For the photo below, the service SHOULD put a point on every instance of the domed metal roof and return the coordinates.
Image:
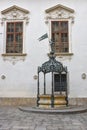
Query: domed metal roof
(52, 65)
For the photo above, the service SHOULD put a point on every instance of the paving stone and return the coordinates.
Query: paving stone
(12, 118)
(52, 128)
(40, 128)
(20, 128)
(4, 128)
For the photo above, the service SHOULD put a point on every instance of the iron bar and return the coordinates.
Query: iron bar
(38, 91)
(60, 84)
(44, 84)
(52, 96)
(66, 91)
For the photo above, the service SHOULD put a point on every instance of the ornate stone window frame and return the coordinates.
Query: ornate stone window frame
(60, 13)
(14, 14)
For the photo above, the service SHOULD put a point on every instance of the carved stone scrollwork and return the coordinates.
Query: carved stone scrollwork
(59, 13)
(15, 13)
(14, 59)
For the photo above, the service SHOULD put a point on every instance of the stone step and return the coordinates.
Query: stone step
(60, 110)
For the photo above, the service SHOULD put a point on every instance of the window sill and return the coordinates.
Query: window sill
(62, 54)
(14, 54)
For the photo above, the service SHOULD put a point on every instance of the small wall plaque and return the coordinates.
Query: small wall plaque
(83, 76)
(3, 77)
(35, 77)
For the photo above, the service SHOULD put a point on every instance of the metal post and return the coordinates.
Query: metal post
(60, 84)
(38, 85)
(66, 91)
(38, 91)
(44, 84)
(52, 96)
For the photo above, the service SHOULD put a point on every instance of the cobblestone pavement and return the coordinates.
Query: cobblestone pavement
(13, 119)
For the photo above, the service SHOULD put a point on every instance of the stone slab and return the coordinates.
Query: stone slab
(40, 128)
(60, 110)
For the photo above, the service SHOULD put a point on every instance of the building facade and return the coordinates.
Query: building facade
(21, 24)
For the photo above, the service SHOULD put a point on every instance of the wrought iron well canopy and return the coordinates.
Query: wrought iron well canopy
(52, 65)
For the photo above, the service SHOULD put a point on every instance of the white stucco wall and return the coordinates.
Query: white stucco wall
(19, 81)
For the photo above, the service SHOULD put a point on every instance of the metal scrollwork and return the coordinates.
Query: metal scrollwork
(52, 65)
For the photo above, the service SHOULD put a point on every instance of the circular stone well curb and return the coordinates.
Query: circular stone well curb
(60, 110)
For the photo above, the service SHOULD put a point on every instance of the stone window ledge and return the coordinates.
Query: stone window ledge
(62, 54)
(14, 54)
